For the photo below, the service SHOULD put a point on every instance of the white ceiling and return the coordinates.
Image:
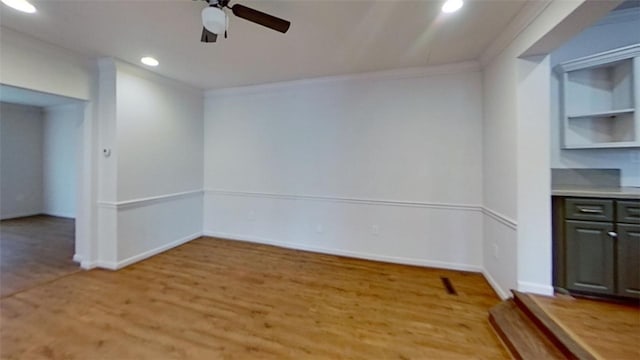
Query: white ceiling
(327, 37)
(16, 95)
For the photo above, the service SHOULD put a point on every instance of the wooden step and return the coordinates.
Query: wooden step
(530, 333)
(520, 335)
(569, 346)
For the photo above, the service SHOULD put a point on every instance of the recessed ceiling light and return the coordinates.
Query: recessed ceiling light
(452, 6)
(149, 61)
(20, 5)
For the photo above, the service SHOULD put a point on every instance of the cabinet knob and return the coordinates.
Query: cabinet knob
(613, 234)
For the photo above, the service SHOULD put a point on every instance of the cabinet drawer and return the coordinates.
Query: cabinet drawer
(628, 212)
(588, 209)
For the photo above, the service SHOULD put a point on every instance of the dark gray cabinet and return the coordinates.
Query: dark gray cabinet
(589, 209)
(590, 256)
(597, 246)
(628, 260)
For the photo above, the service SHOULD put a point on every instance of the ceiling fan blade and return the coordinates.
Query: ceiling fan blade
(261, 18)
(208, 36)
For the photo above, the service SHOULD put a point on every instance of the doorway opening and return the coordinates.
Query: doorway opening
(39, 180)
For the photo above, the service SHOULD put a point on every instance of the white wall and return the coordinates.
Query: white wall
(517, 243)
(384, 166)
(21, 136)
(499, 139)
(618, 30)
(159, 135)
(534, 187)
(61, 127)
(151, 191)
(33, 64)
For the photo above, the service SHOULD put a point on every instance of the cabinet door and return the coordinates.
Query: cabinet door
(629, 260)
(590, 256)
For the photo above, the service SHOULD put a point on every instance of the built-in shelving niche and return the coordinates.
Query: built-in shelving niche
(599, 100)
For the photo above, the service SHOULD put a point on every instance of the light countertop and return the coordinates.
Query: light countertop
(596, 192)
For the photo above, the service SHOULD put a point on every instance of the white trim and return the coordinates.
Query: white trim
(395, 74)
(77, 258)
(347, 253)
(28, 214)
(494, 284)
(62, 215)
(606, 57)
(21, 215)
(522, 20)
(500, 218)
(535, 288)
(335, 199)
(111, 265)
(148, 74)
(140, 202)
(88, 265)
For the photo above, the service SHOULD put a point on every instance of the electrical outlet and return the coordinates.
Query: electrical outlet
(319, 229)
(375, 230)
(495, 251)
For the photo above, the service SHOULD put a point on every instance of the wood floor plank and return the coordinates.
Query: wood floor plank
(562, 339)
(520, 334)
(221, 299)
(35, 250)
(608, 330)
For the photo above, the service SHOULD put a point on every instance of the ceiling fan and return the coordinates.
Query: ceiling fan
(215, 20)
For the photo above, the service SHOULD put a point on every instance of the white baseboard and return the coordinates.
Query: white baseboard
(494, 284)
(540, 289)
(77, 258)
(88, 265)
(109, 265)
(147, 254)
(60, 215)
(19, 215)
(113, 265)
(348, 253)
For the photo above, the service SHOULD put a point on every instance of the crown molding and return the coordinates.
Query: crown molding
(109, 66)
(522, 20)
(606, 57)
(395, 74)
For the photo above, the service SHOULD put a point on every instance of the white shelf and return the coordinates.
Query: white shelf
(603, 145)
(601, 114)
(599, 96)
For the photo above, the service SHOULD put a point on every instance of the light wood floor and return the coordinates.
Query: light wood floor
(612, 331)
(220, 299)
(35, 250)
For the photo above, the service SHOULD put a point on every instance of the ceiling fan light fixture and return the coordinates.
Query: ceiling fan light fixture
(214, 20)
(452, 6)
(20, 5)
